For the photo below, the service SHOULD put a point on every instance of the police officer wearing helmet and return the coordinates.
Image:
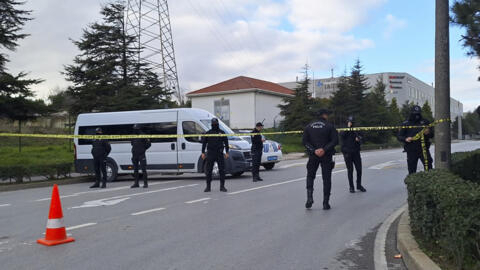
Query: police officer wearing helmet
(351, 141)
(215, 146)
(100, 150)
(414, 147)
(257, 150)
(139, 147)
(320, 138)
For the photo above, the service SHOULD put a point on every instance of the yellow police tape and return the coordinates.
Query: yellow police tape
(419, 136)
(163, 136)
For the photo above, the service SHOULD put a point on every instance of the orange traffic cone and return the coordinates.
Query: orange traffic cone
(56, 233)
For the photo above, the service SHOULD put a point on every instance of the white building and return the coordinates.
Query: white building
(242, 101)
(402, 86)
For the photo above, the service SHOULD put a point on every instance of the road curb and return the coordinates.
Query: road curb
(413, 257)
(48, 183)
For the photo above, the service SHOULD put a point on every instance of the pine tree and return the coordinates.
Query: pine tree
(427, 112)
(15, 92)
(466, 14)
(107, 75)
(376, 113)
(358, 86)
(394, 113)
(340, 100)
(298, 110)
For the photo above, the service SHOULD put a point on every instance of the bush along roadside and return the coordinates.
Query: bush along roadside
(445, 217)
(27, 171)
(467, 165)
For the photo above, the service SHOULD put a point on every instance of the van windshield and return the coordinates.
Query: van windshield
(227, 130)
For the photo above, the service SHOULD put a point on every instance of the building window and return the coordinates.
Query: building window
(221, 109)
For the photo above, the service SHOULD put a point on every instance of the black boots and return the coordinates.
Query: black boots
(96, 185)
(326, 205)
(222, 187)
(257, 179)
(361, 188)
(145, 184)
(135, 184)
(104, 184)
(309, 202)
(352, 189)
(207, 189)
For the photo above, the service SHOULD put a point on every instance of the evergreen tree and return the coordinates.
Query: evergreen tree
(466, 13)
(394, 113)
(427, 112)
(298, 110)
(376, 113)
(107, 75)
(358, 86)
(340, 100)
(14, 89)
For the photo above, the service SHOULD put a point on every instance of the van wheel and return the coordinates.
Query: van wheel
(112, 171)
(237, 174)
(268, 166)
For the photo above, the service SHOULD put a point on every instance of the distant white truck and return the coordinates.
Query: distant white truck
(166, 155)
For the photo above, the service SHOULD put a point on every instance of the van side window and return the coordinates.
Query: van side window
(190, 127)
(166, 128)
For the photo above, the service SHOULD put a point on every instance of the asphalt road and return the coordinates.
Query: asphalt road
(175, 225)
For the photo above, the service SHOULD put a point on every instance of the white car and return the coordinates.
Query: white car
(272, 152)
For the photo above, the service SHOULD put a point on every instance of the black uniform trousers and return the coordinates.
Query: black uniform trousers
(211, 159)
(353, 159)
(327, 166)
(256, 162)
(412, 160)
(100, 166)
(139, 162)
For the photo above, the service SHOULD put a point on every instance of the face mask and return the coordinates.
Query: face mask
(215, 126)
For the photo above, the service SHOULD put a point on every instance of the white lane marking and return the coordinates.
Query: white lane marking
(3, 205)
(80, 226)
(379, 248)
(127, 196)
(275, 184)
(292, 165)
(199, 200)
(383, 165)
(102, 190)
(102, 202)
(147, 211)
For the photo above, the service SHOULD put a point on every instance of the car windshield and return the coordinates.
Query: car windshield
(227, 130)
(248, 139)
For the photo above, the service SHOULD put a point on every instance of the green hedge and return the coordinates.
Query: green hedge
(467, 165)
(26, 171)
(445, 215)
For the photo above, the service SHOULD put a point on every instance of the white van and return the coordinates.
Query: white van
(166, 155)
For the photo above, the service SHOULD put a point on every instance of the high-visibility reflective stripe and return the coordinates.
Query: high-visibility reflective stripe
(55, 223)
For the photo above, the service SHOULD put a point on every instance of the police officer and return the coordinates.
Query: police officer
(139, 147)
(414, 147)
(320, 138)
(351, 141)
(257, 150)
(215, 147)
(100, 150)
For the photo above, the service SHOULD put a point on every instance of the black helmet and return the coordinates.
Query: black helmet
(259, 124)
(416, 109)
(137, 127)
(351, 119)
(98, 130)
(323, 111)
(214, 121)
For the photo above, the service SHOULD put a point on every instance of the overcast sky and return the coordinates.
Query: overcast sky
(216, 40)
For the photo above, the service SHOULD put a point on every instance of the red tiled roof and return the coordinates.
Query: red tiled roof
(242, 83)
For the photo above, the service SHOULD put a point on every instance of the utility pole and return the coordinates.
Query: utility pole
(442, 85)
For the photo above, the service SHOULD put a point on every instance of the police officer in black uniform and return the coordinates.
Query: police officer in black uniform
(100, 150)
(414, 147)
(257, 150)
(351, 141)
(139, 147)
(215, 147)
(320, 138)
